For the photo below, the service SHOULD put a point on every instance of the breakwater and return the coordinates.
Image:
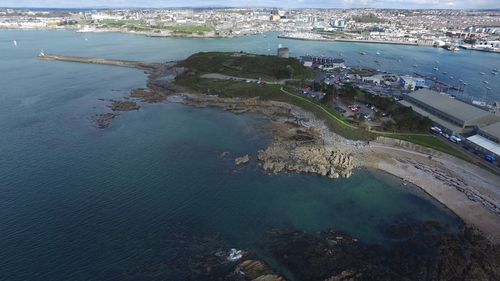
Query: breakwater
(90, 60)
(352, 40)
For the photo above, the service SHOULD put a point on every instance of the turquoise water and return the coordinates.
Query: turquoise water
(79, 203)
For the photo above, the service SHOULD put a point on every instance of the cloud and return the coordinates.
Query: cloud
(466, 4)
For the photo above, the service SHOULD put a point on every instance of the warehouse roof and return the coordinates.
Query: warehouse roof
(493, 130)
(452, 127)
(444, 103)
(485, 143)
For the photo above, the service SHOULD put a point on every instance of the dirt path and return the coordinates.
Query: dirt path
(228, 77)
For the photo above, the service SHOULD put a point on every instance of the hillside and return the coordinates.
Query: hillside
(269, 68)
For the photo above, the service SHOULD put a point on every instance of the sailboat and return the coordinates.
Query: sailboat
(15, 43)
(41, 54)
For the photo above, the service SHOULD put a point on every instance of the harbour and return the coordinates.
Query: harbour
(158, 192)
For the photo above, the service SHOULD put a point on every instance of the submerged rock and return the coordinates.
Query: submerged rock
(424, 253)
(124, 106)
(104, 120)
(242, 160)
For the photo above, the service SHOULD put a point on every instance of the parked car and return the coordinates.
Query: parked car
(436, 130)
(490, 158)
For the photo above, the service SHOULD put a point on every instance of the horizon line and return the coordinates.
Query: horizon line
(247, 7)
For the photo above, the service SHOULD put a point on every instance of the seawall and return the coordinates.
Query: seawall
(90, 60)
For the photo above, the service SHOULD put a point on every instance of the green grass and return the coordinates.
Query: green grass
(188, 29)
(231, 88)
(137, 25)
(119, 23)
(270, 68)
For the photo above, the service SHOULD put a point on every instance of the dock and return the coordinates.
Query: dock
(148, 66)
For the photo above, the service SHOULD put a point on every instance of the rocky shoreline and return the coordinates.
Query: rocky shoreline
(294, 148)
(303, 144)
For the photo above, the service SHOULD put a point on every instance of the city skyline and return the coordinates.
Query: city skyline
(396, 4)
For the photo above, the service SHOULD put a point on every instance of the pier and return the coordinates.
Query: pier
(148, 66)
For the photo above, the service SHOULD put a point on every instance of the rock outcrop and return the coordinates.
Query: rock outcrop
(297, 147)
(257, 270)
(307, 159)
(242, 160)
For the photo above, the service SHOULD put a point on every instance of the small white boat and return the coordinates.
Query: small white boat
(378, 53)
(482, 73)
(14, 43)
(41, 54)
(488, 88)
(486, 82)
(436, 69)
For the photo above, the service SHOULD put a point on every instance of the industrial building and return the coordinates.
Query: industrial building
(320, 60)
(491, 132)
(450, 114)
(487, 140)
(484, 145)
(411, 83)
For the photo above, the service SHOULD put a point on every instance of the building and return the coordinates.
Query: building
(491, 132)
(372, 79)
(283, 52)
(411, 83)
(452, 115)
(338, 23)
(318, 60)
(484, 145)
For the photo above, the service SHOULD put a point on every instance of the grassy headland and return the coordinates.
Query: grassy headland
(268, 68)
(271, 69)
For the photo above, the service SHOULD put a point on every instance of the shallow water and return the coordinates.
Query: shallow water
(79, 203)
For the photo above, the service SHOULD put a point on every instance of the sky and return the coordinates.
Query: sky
(427, 4)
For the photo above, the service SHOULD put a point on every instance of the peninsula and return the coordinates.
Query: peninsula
(309, 137)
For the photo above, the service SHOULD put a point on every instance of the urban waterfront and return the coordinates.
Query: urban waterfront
(87, 204)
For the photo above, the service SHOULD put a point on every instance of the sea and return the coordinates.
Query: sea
(131, 201)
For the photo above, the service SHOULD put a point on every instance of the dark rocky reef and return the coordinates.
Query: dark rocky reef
(421, 252)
